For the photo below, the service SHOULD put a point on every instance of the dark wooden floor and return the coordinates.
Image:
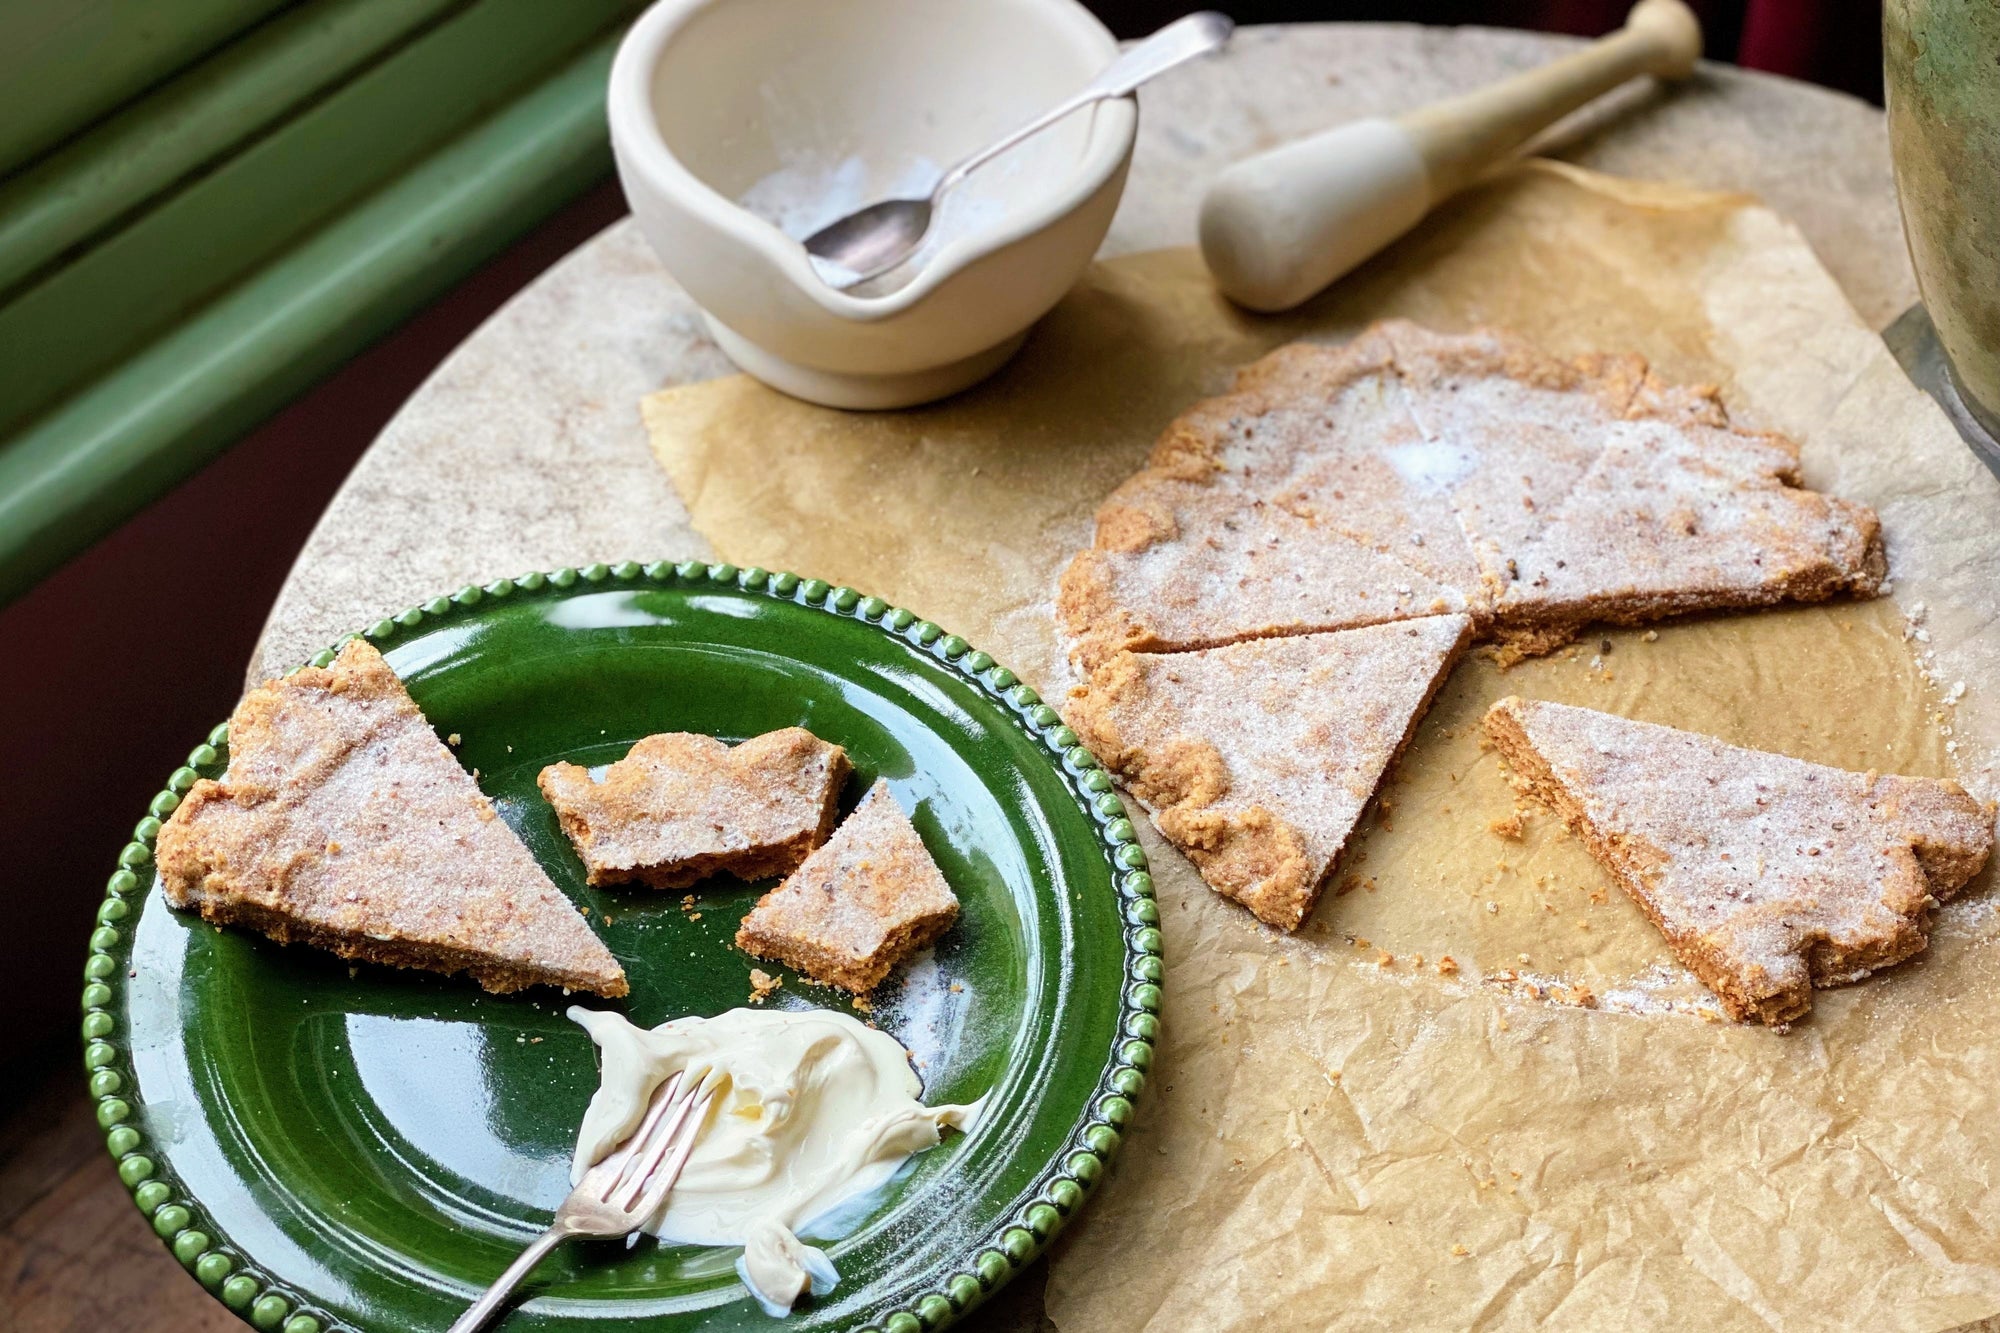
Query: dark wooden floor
(75, 1255)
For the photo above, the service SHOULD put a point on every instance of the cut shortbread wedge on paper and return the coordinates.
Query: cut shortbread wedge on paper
(861, 904)
(1413, 473)
(1506, 430)
(1180, 565)
(1257, 759)
(1680, 516)
(680, 807)
(344, 822)
(1271, 510)
(1768, 875)
(1326, 434)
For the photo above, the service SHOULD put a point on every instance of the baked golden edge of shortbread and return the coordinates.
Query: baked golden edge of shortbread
(768, 861)
(184, 890)
(1626, 858)
(805, 955)
(1291, 908)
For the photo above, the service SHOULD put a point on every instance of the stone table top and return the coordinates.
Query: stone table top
(525, 450)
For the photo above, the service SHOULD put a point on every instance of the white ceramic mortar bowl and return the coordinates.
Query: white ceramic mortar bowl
(708, 97)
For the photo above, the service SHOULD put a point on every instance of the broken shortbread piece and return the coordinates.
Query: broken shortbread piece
(863, 903)
(344, 822)
(1257, 759)
(681, 807)
(1768, 875)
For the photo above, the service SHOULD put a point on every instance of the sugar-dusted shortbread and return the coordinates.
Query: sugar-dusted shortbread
(863, 903)
(1275, 509)
(680, 807)
(1768, 875)
(1406, 475)
(343, 822)
(1411, 473)
(1180, 565)
(1257, 759)
(1683, 515)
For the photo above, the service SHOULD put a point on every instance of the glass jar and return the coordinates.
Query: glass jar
(1942, 87)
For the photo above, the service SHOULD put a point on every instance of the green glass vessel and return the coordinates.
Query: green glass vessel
(1942, 82)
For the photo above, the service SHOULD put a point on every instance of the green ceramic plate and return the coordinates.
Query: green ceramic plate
(327, 1147)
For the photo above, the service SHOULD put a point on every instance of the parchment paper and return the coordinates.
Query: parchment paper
(1554, 1127)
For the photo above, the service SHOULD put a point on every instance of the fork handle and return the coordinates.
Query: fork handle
(487, 1306)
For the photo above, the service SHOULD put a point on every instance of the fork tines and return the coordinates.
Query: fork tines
(635, 1177)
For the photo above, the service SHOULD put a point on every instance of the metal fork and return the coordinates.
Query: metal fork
(621, 1193)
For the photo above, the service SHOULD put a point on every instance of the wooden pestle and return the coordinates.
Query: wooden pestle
(1278, 227)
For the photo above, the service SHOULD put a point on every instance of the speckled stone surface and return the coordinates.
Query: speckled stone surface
(525, 450)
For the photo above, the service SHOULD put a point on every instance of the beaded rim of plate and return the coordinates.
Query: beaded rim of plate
(1007, 1246)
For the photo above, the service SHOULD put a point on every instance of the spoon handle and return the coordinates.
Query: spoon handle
(1178, 42)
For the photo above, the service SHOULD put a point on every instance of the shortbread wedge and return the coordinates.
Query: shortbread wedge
(1412, 473)
(1768, 875)
(343, 822)
(859, 906)
(1181, 565)
(1679, 516)
(680, 807)
(1257, 759)
(1507, 430)
(1326, 434)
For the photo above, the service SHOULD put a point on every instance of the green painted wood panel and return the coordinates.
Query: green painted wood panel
(64, 63)
(110, 301)
(78, 471)
(161, 140)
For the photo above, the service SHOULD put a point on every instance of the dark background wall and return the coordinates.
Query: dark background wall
(1834, 42)
(120, 662)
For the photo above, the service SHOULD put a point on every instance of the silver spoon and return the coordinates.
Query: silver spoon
(869, 243)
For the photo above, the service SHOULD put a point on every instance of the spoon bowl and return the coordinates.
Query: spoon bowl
(870, 242)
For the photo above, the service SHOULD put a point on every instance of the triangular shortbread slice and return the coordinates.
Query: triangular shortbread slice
(861, 904)
(1326, 433)
(1678, 516)
(344, 822)
(1382, 499)
(1506, 430)
(1256, 760)
(1768, 875)
(1182, 565)
(680, 807)
(1291, 404)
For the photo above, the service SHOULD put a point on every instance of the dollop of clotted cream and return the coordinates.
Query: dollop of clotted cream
(812, 1109)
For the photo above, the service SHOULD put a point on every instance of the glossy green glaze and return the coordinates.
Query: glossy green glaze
(362, 1148)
